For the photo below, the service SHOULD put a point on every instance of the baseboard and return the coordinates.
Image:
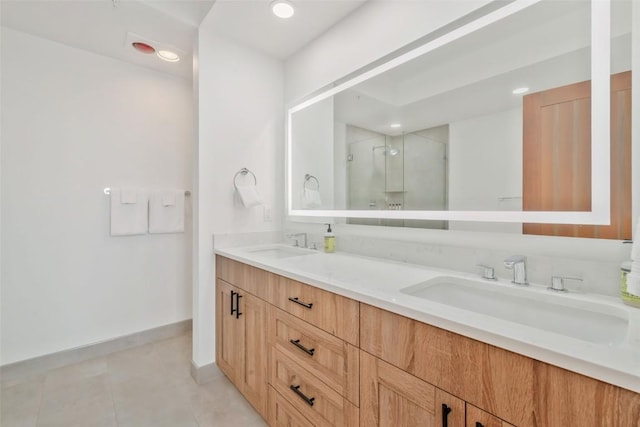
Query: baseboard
(204, 374)
(41, 364)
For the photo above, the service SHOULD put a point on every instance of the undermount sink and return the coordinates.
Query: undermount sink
(281, 251)
(583, 320)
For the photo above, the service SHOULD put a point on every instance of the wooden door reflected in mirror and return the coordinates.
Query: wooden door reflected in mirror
(557, 150)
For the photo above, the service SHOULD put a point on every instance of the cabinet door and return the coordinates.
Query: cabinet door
(228, 337)
(252, 380)
(392, 397)
(476, 417)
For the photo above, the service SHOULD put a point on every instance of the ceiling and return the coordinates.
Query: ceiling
(101, 26)
(251, 23)
(105, 26)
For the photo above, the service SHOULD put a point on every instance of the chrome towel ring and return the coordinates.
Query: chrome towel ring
(244, 172)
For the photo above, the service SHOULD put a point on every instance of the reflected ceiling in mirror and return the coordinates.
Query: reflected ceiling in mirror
(455, 93)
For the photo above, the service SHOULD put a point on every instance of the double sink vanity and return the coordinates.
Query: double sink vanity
(337, 339)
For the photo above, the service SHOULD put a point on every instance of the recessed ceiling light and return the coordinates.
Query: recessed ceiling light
(520, 90)
(395, 125)
(168, 56)
(143, 47)
(282, 9)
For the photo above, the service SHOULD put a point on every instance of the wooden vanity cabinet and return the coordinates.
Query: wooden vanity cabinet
(303, 356)
(514, 388)
(291, 350)
(241, 344)
(392, 397)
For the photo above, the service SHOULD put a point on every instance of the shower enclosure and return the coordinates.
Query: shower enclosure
(402, 172)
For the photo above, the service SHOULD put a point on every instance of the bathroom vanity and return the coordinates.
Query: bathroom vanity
(343, 340)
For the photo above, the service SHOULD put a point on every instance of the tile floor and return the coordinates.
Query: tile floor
(149, 385)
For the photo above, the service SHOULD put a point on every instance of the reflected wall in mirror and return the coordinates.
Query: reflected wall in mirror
(445, 131)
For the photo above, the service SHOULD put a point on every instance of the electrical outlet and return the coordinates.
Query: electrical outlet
(267, 213)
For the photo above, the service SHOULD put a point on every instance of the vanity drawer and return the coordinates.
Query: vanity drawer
(312, 398)
(282, 413)
(251, 279)
(330, 359)
(333, 313)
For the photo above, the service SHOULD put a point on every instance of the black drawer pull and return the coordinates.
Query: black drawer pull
(309, 351)
(479, 424)
(297, 301)
(233, 310)
(296, 390)
(445, 415)
(238, 296)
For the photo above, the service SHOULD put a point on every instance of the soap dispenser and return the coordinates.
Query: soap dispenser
(329, 240)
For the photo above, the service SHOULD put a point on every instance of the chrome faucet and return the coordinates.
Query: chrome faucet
(295, 237)
(517, 263)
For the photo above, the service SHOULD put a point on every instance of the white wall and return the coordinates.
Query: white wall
(485, 163)
(241, 124)
(73, 123)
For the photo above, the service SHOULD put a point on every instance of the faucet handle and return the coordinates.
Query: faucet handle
(487, 272)
(557, 283)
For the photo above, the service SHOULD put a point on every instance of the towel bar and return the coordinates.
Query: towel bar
(107, 191)
(244, 172)
(307, 178)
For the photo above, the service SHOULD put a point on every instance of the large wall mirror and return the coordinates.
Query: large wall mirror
(504, 118)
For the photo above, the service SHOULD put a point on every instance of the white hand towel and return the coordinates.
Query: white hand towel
(166, 211)
(128, 196)
(249, 195)
(129, 209)
(311, 198)
(169, 198)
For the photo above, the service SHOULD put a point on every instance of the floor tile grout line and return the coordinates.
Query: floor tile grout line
(113, 401)
(40, 400)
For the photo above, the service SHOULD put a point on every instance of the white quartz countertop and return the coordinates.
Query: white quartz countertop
(378, 282)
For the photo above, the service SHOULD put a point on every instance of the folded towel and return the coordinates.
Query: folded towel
(249, 195)
(169, 197)
(166, 211)
(129, 209)
(128, 196)
(311, 198)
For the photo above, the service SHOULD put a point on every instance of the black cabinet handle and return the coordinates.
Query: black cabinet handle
(479, 424)
(233, 310)
(296, 390)
(309, 351)
(238, 296)
(297, 301)
(445, 415)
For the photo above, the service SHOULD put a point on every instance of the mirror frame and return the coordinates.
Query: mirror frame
(600, 128)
